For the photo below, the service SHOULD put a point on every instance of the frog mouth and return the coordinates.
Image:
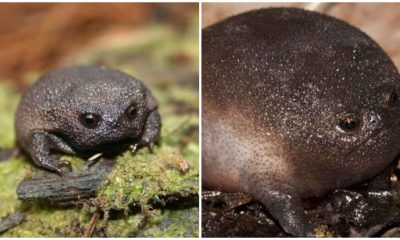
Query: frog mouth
(378, 134)
(108, 148)
(113, 146)
(371, 156)
(365, 141)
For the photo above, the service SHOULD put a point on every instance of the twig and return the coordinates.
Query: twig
(11, 221)
(7, 154)
(178, 127)
(92, 224)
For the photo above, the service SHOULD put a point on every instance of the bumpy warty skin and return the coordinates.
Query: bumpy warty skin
(277, 85)
(49, 117)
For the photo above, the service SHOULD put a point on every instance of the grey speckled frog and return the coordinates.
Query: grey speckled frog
(295, 104)
(83, 111)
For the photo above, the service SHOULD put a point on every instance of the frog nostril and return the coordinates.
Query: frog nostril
(110, 121)
(375, 120)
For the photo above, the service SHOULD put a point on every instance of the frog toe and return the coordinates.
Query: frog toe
(66, 164)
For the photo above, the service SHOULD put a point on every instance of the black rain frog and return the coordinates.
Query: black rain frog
(82, 111)
(295, 104)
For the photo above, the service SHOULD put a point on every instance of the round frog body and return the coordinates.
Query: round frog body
(82, 111)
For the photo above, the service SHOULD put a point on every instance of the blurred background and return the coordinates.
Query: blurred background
(41, 36)
(380, 21)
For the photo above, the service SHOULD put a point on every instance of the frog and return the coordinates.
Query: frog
(295, 104)
(85, 111)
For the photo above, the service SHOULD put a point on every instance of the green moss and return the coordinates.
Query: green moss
(144, 177)
(11, 173)
(171, 223)
(8, 103)
(45, 221)
(126, 226)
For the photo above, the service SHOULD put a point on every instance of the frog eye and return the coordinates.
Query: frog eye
(90, 120)
(131, 112)
(392, 99)
(349, 123)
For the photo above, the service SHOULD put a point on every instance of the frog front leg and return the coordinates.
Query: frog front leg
(151, 132)
(284, 204)
(46, 150)
(152, 128)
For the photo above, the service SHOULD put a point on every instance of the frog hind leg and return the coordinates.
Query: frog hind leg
(151, 132)
(284, 204)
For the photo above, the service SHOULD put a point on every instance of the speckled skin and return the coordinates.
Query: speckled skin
(49, 116)
(277, 84)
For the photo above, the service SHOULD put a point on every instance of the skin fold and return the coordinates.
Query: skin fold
(295, 104)
(83, 111)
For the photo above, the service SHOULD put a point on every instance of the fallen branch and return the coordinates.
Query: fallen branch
(67, 189)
